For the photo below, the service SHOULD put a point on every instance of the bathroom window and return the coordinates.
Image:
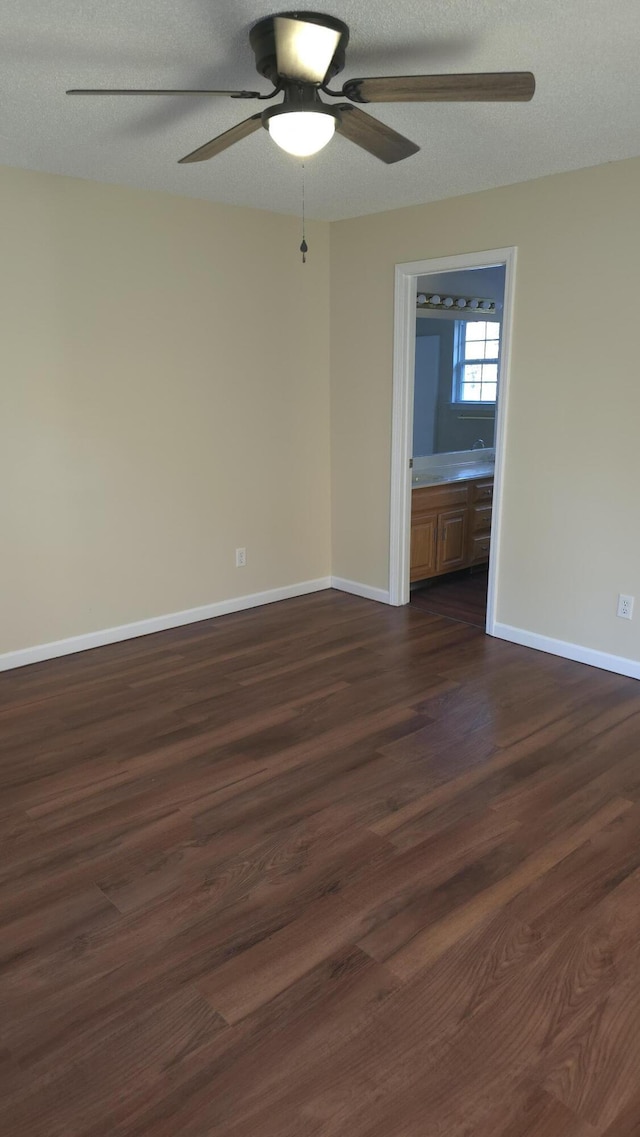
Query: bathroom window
(477, 358)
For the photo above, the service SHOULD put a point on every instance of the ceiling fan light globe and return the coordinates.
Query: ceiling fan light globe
(302, 133)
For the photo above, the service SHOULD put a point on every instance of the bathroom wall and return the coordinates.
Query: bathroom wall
(456, 427)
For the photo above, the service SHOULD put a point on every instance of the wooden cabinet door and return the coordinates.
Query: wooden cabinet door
(423, 547)
(452, 540)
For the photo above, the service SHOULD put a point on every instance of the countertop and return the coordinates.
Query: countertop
(438, 475)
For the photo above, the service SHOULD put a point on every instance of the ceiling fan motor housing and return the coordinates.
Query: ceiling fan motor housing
(263, 42)
(292, 104)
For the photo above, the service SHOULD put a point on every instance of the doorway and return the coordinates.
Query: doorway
(458, 427)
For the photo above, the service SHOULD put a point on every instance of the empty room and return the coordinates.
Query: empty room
(319, 551)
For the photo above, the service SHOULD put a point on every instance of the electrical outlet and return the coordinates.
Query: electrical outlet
(625, 607)
(241, 558)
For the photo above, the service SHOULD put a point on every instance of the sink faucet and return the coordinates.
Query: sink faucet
(478, 444)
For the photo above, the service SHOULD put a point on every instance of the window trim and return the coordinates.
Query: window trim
(459, 363)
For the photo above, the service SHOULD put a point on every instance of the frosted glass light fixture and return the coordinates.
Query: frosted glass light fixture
(301, 132)
(462, 304)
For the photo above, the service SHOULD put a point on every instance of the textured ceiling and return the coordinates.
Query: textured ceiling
(586, 110)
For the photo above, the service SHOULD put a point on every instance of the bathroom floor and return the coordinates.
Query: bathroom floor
(459, 595)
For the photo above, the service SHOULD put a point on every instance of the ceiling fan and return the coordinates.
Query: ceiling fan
(300, 53)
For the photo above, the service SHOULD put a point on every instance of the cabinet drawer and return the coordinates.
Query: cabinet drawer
(483, 491)
(481, 519)
(480, 548)
(428, 499)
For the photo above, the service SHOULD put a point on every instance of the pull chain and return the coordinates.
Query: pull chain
(304, 248)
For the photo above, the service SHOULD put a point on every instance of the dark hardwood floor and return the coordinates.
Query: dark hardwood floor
(321, 869)
(458, 595)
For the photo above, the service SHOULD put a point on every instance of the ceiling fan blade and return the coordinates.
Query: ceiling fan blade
(304, 50)
(217, 145)
(107, 91)
(373, 135)
(497, 86)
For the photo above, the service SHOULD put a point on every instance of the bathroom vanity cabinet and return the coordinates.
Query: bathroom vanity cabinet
(450, 526)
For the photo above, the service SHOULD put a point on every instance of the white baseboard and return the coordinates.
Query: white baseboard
(40, 652)
(617, 663)
(358, 589)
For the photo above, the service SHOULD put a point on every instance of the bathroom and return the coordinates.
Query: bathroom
(456, 390)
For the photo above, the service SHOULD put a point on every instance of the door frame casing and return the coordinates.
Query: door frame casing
(406, 277)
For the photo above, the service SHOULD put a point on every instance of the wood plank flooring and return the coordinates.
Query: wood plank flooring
(325, 868)
(458, 595)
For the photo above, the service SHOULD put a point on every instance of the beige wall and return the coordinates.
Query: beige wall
(571, 518)
(164, 399)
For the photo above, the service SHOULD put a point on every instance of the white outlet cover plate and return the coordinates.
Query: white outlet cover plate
(625, 607)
